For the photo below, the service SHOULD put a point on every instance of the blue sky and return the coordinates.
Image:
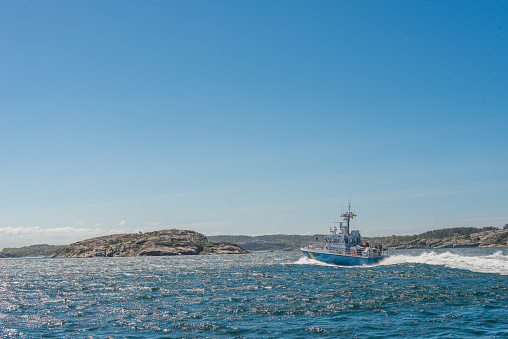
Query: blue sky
(251, 117)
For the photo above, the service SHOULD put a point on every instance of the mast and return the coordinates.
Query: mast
(348, 216)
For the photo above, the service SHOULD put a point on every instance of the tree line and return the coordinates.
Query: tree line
(450, 232)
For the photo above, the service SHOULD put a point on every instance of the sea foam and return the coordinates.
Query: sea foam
(494, 263)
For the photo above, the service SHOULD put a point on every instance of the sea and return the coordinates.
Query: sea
(438, 293)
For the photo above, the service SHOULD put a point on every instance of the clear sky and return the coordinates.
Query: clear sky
(251, 117)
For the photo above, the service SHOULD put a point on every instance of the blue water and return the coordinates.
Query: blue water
(430, 294)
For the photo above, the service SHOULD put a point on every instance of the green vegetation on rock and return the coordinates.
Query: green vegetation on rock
(449, 237)
(454, 232)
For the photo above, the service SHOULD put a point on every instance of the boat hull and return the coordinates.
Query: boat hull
(342, 260)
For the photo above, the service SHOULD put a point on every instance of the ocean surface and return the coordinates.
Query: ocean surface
(446, 293)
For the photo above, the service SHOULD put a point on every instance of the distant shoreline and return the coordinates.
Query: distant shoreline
(445, 238)
(459, 237)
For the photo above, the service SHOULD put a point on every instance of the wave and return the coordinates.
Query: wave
(494, 263)
(308, 261)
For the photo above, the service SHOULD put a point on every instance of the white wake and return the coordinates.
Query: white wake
(494, 263)
(307, 261)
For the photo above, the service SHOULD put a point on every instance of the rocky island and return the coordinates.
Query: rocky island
(156, 243)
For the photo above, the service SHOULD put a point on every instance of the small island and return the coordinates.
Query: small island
(156, 243)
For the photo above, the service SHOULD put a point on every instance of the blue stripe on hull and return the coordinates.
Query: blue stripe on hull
(343, 260)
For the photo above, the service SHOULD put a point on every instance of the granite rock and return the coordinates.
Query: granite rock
(157, 243)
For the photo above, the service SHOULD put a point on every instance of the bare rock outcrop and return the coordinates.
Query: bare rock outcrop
(157, 243)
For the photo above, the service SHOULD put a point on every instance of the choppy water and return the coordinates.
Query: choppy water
(432, 294)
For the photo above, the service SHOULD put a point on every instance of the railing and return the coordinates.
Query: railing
(366, 252)
(315, 245)
(353, 251)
